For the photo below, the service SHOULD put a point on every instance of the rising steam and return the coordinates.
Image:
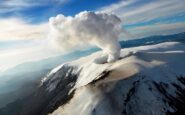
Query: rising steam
(98, 29)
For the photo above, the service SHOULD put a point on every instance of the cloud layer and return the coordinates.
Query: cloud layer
(134, 11)
(8, 6)
(17, 29)
(98, 29)
(153, 17)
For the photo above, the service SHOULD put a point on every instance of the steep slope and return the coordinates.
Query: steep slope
(147, 80)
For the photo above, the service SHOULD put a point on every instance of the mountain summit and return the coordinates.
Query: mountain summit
(146, 80)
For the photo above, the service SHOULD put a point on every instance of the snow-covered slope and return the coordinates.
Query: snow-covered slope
(146, 80)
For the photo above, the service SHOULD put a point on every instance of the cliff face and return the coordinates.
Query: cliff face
(147, 80)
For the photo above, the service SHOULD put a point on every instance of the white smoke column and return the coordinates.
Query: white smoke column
(98, 29)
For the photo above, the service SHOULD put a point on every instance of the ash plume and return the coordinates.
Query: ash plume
(94, 28)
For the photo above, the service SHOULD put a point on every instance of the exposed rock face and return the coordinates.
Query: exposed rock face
(148, 81)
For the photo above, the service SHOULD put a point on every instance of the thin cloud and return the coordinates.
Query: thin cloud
(26, 53)
(18, 5)
(134, 13)
(130, 12)
(17, 29)
(156, 29)
(15, 5)
(113, 8)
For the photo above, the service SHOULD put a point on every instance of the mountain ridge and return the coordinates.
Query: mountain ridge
(145, 80)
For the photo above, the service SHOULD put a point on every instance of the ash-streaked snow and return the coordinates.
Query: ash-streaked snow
(127, 86)
(146, 80)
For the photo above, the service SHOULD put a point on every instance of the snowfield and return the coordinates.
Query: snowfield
(142, 60)
(147, 80)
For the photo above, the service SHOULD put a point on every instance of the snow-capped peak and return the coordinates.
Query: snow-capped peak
(138, 83)
(133, 61)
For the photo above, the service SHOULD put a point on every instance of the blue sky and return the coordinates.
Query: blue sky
(158, 14)
(23, 23)
(40, 10)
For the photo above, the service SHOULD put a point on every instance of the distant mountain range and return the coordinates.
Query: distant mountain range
(180, 37)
